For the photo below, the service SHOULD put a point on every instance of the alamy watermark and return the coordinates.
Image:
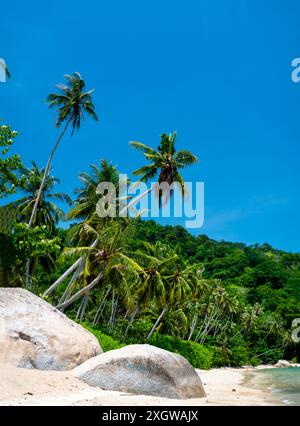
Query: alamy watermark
(296, 70)
(138, 200)
(296, 330)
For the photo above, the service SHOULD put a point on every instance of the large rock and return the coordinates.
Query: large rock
(285, 364)
(33, 334)
(142, 369)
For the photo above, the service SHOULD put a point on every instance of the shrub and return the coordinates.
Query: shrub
(266, 354)
(140, 329)
(239, 356)
(107, 343)
(196, 354)
(221, 357)
(255, 362)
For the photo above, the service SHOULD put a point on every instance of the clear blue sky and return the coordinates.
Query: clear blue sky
(218, 72)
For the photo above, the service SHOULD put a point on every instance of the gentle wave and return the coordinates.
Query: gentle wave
(284, 383)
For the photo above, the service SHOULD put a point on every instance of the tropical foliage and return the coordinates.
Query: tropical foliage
(72, 103)
(165, 161)
(9, 166)
(48, 214)
(133, 281)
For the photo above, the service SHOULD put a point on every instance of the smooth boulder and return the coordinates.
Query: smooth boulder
(286, 364)
(144, 370)
(33, 334)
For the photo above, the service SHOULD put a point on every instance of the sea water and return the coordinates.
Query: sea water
(284, 383)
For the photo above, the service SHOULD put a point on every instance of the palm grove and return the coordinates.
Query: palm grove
(130, 281)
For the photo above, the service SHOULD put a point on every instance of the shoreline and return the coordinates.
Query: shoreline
(224, 387)
(236, 387)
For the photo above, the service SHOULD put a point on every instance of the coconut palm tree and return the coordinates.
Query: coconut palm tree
(168, 281)
(48, 212)
(85, 207)
(107, 263)
(216, 306)
(73, 103)
(166, 161)
(87, 197)
(250, 317)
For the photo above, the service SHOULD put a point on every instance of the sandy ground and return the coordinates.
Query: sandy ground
(32, 387)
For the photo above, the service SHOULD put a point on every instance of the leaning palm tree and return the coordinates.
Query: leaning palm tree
(87, 198)
(72, 102)
(84, 207)
(106, 263)
(166, 162)
(48, 212)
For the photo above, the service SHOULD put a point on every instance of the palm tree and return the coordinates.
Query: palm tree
(167, 282)
(250, 316)
(166, 161)
(216, 306)
(85, 207)
(72, 103)
(87, 197)
(48, 212)
(107, 263)
(178, 287)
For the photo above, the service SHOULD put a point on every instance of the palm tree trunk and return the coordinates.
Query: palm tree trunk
(114, 313)
(99, 312)
(28, 280)
(38, 198)
(193, 326)
(85, 303)
(27, 273)
(202, 327)
(47, 169)
(205, 332)
(80, 308)
(157, 322)
(67, 273)
(112, 309)
(269, 351)
(81, 292)
(131, 320)
(209, 329)
(70, 285)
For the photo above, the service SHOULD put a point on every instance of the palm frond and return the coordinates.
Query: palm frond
(142, 147)
(185, 158)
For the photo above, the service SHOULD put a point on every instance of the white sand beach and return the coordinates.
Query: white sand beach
(226, 386)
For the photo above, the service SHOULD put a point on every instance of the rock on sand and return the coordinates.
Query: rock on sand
(142, 369)
(33, 334)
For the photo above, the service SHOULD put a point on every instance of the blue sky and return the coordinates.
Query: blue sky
(218, 72)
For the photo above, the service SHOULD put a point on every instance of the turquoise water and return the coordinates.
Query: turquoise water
(284, 384)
